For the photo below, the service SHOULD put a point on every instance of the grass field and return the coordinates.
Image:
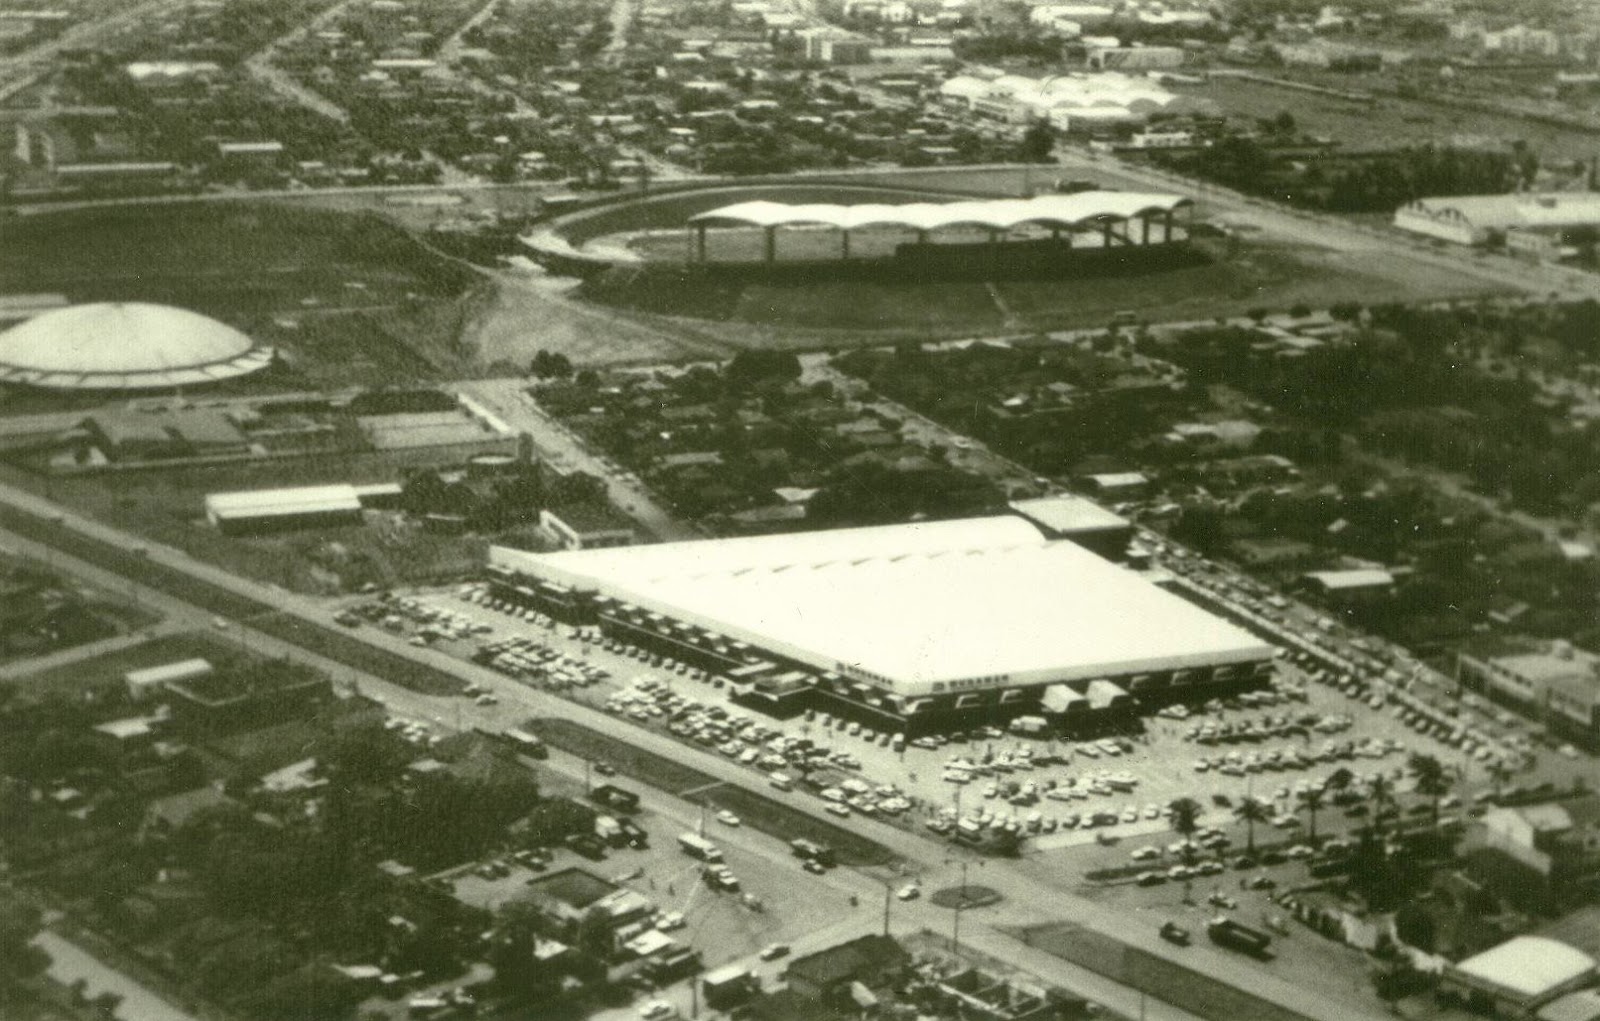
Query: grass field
(348, 298)
(167, 505)
(1196, 992)
(1255, 274)
(1390, 122)
(757, 811)
(107, 669)
(325, 641)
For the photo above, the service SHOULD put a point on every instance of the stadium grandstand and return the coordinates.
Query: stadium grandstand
(1108, 216)
(915, 627)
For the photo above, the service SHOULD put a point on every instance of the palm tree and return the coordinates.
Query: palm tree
(1250, 811)
(1381, 795)
(1185, 821)
(1339, 780)
(1311, 802)
(1432, 782)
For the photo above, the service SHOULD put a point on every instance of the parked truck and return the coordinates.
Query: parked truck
(1235, 935)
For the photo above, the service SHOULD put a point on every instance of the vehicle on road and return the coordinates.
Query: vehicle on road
(1235, 935)
(1172, 932)
(727, 818)
(657, 1010)
(773, 951)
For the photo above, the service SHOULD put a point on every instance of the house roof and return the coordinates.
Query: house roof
(1528, 967)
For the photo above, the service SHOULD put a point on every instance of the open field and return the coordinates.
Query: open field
(108, 668)
(167, 505)
(1255, 274)
(347, 298)
(1162, 979)
(325, 641)
(1390, 122)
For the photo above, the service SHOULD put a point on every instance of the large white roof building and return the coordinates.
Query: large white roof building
(125, 346)
(1061, 98)
(1523, 972)
(1477, 219)
(1075, 210)
(915, 611)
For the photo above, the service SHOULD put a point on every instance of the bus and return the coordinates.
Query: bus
(696, 846)
(810, 850)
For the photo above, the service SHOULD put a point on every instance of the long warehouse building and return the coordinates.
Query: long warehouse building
(920, 625)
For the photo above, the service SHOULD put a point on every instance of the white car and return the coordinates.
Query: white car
(727, 818)
(1145, 853)
(670, 920)
(657, 1010)
(911, 891)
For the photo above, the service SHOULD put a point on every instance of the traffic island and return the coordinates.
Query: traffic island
(965, 898)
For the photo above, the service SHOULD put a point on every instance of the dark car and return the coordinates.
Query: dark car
(1172, 932)
(588, 845)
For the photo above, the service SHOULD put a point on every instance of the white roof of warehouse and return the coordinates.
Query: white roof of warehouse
(1505, 212)
(1529, 966)
(255, 503)
(1068, 513)
(915, 605)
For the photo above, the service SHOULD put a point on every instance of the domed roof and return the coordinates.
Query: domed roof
(125, 346)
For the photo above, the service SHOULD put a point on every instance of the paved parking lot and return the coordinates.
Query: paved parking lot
(1314, 730)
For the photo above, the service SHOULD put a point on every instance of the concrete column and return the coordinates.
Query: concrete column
(1166, 227)
(922, 237)
(1144, 229)
(844, 243)
(1105, 233)
(700, 241)
(771, 243)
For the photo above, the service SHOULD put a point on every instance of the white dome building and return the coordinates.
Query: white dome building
(126, 346)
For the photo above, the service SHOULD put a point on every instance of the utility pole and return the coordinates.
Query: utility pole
(886, 907)
(961, 898)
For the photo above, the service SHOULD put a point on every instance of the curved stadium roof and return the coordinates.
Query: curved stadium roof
(1001, 214)
(125, 346)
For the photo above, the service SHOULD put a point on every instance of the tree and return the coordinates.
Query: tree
(1037, 143)
(1310, 803)
(1185, 820)
(752, 367)
(1380, 794)
(1432, 780)
(1251, 810)
(20, 960)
